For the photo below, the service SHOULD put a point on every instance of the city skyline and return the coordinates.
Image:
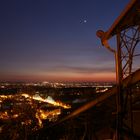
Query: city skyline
(56, 40)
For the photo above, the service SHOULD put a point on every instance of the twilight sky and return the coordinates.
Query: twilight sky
(55, 40)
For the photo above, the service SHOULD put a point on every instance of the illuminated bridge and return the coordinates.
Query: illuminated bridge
(115, 114)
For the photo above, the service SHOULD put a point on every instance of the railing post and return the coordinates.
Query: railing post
(119, 94)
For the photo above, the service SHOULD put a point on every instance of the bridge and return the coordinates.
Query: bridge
(115, 114)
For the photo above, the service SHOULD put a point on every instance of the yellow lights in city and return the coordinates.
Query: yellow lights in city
(15, 116)
(25, 95)
(47, 100)
(43, 115)
(27, 122)
(4, 115)
(39, 119)
(30, 110)
(5, 96)
(48, 114)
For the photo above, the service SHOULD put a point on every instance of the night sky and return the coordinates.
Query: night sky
(55, 40)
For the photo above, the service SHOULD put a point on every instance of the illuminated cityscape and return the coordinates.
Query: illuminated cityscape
(28, 106)
(70, 70)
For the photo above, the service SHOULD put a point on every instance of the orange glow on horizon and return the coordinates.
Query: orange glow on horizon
(69, 77)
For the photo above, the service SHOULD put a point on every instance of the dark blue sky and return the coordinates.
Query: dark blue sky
(55, 40)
